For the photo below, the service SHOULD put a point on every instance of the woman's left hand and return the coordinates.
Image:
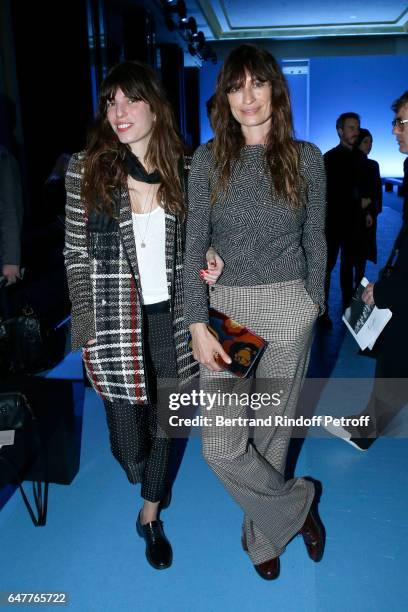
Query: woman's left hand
(215, 267)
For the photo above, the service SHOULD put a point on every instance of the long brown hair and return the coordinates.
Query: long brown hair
(104, 168)
(282, 151)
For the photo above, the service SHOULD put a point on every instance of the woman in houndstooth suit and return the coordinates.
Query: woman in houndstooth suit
(258, 196)
(124, 250)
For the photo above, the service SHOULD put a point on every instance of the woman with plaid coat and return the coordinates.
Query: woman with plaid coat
(124, 250)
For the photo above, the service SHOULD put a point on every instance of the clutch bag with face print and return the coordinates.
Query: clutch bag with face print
(243, 346)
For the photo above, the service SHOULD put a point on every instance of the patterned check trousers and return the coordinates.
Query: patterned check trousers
(251, 462)
(137, 440)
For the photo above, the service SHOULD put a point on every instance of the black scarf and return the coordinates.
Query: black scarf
(138, 172)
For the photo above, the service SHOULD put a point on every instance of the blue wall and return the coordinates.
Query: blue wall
(299, 93)
(366, 85)
(363, 84)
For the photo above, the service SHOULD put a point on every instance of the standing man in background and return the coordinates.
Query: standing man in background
(11, 217)
(345, 178)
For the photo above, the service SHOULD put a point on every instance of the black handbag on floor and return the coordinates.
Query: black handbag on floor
(17, 419)
(28, 343)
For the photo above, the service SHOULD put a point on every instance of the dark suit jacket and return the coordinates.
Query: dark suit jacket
(346, 185)
(11, 210)
(392, 293)
(372, 187)
(405, 191)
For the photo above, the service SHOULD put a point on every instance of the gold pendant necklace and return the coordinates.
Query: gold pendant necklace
(143, 238)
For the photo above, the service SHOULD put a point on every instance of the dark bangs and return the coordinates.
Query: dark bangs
(131, 78)
(246, 58)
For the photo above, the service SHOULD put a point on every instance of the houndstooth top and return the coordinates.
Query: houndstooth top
(261, 239)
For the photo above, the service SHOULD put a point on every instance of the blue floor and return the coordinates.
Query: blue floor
(90, 549)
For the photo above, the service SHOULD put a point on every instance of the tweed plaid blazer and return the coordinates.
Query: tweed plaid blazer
(104, 284)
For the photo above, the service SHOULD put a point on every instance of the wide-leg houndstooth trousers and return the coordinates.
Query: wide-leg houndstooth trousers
(252, 470)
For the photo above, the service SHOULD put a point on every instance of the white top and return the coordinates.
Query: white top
(151, 258)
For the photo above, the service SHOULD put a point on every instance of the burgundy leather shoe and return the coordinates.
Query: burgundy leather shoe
(268, 570)
(313, 535)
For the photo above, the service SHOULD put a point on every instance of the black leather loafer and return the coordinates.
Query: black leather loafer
(158, 549)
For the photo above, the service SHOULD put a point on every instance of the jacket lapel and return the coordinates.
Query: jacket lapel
(170, 253)
(127, 234)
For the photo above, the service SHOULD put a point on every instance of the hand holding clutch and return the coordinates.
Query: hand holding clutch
(206, 348)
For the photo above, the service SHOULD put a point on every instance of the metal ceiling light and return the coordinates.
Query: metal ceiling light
(188, 24)
(178, 7)
(199, 40)
(196, 43)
